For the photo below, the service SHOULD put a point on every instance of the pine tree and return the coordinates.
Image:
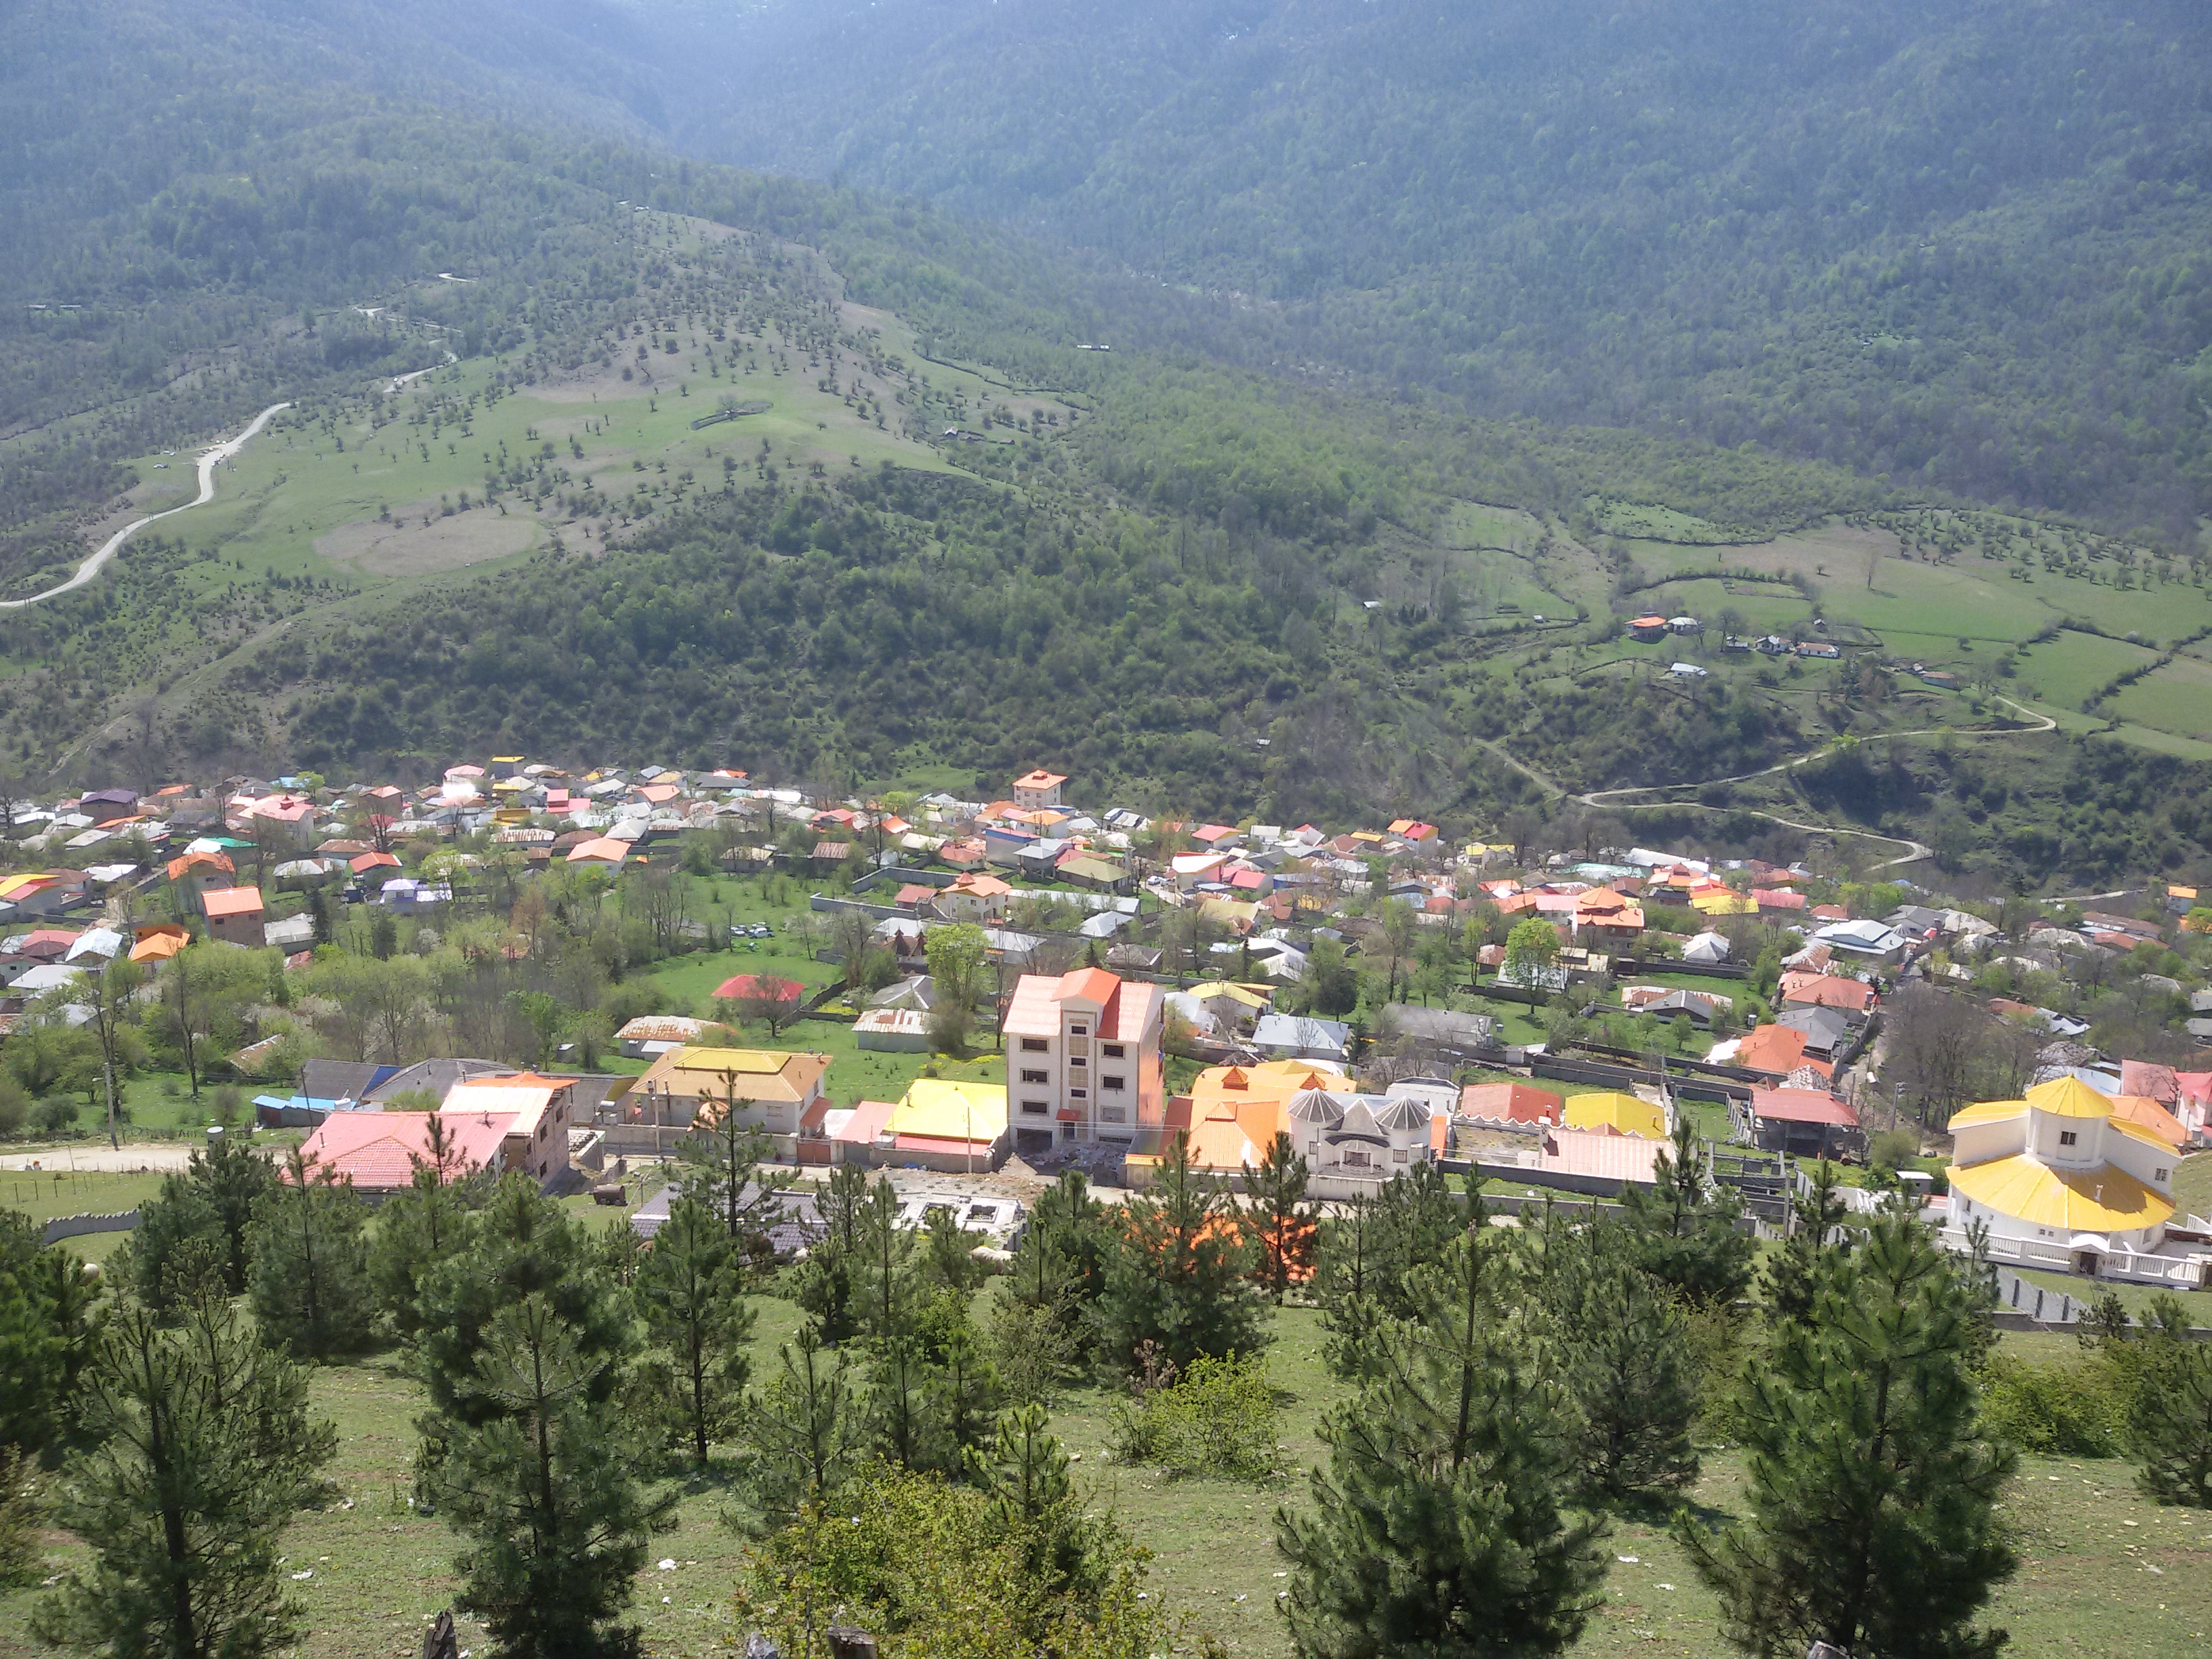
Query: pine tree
(201, 1451)
(2170, 1409)
(520, 1245)
(802, 1433)
(1623, 1358)
(202, 1217)
(1873, 1489)
(545, 1493)
(1178, 1275)
(720, 1163)
(1795, 1276)
(946, 1260)
(1438, 1525)
(1343, 1270)
(1416, 1215)
(311, 1289)
(1275, 1214)
(690, 1289)
(50, 1325)
(825, 1282)
(963, 1394)
(1686, 1227)
(419, 1226)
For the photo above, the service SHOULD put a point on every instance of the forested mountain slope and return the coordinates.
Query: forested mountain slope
(1241, 570)
(1958, 243)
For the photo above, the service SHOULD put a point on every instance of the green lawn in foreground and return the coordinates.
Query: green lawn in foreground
(382, 1571)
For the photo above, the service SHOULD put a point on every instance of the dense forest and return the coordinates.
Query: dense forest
(1959, 244)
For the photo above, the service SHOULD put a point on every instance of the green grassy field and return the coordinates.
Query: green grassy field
(2073, 666)
(2084, 1588)
(2175, 699)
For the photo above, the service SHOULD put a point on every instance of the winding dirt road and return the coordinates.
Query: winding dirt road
(1914, 850)
(213, 459)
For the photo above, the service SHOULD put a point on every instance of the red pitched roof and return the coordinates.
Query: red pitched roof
(1511, 1103)
(749, 987)
(371, 1149)
(1802, 1106)
(1827, 991)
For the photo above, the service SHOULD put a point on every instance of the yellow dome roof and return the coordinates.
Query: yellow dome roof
(2101, 1200)
(2069, 1097)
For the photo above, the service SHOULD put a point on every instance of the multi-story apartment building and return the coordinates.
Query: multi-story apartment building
(1083, 1058)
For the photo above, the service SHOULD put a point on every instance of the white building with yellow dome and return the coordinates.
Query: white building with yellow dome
(2059, 1182)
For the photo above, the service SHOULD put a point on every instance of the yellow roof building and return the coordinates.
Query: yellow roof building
(947, 1109)
(2065, 1167)
(1630, 1114)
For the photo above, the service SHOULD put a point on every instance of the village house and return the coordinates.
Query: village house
(1083, 1057)
(689, 1086)
(234, 915)
(1038, 790)
(378, 1152)
(1800, 1122)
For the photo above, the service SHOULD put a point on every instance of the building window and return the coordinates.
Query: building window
(1079, 1094)
(1111, 1114)
(1034, 1108)
(1079, 1030)
(1115, 1051)
(1355, 1160)
(2066, 1137)
(1113, 1082)
(1398, 1155)
(1076, 1062)
(1029, 1075)
(2158, 1174)
(1035, 1046)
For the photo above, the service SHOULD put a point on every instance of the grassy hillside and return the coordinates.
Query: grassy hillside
(374, 1569)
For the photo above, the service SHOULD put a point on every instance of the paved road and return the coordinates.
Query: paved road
(214, 457)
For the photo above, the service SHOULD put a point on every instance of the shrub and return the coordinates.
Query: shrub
(1217, 1417)
(2059, 1410)
(56, 1114)
(1892, 1148)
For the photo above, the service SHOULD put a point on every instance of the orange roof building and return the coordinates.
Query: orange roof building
(1084, 1061)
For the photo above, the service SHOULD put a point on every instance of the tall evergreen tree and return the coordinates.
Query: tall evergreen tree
(721, 1165)
(1344, 1274)
(1416, 1215)
(521, 1244)
(963, 1395)
(1686, 1227)
(1871, 1521)
(1178, 1278)
(802, 1434)
(50, 1324)
(2170, 1409)
(201, 1448)
(311, 1289)
(691, 1290)
(1439, 1524)
(1275, 1214)
(826, 1281)
(420, 1225)
(1795, 1276)
(1624, 1357)
(202, 1217)
(546, 1493)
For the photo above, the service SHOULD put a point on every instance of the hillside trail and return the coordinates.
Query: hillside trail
(1914, 850)
(213, 459)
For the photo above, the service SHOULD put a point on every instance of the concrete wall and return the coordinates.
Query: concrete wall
(76, 1226)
